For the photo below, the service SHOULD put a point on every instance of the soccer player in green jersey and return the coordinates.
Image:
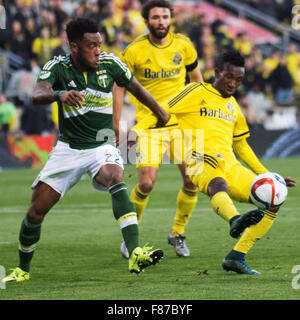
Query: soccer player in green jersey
(82, 83)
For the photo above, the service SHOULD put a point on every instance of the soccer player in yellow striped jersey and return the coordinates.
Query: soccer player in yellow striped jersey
(212, 164)
(160, 61)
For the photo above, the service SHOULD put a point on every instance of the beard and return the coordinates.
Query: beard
(158, 34)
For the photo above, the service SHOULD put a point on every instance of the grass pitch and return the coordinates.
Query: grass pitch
(78, 256)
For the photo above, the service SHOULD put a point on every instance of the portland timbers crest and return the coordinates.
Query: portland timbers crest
(103, 80)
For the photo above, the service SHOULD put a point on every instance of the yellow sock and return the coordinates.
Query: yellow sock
(254, 233)
(140, 200)
(223, 205)
(186, 202)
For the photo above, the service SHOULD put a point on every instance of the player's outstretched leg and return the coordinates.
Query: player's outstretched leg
(43, 199)
(144, 257)
(235, 261)
(240, 222)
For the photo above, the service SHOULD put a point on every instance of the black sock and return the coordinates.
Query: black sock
(29, 236)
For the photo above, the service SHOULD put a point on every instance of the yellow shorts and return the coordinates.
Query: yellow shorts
(238, 177)
(157, 146)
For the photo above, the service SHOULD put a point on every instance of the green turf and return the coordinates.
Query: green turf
(78, 256)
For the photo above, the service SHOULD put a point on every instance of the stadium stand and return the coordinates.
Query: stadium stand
(35, 31)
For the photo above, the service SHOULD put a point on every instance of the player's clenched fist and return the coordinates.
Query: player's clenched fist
(72, 98)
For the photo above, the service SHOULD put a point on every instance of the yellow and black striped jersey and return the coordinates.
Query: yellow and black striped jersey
(160, 69)
(199, 106)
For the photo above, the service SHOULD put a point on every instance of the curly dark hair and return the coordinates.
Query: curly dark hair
(77, 28)
(233, 57)
(156, 3)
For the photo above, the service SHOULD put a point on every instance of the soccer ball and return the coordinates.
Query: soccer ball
(268, 191)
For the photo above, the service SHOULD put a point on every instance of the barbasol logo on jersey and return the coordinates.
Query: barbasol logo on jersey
(205, 112)
(162, 74)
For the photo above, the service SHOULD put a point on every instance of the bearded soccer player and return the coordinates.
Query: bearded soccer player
(212, 164)
(82, 83)
(160, 61)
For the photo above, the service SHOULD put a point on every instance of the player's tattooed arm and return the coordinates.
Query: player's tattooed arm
(147, 99)
(44, 94)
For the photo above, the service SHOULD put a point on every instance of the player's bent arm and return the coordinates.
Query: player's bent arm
(247, 155)
(118, 97)
(148, 122)
(195, 75)
(43, 93)
(147, 99)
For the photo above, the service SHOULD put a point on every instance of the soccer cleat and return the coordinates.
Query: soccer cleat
(239, 266)
(142, 258)
(239, 224)
(124, 250)
(17, 275)
(178, 242)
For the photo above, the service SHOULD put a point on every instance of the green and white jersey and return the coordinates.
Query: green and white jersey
(79, 126)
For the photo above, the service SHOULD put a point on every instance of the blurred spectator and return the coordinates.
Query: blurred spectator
(184, 26)
(37, 119)
(57, 7)
(49, 21)
(94, 12)
(119, 44)
(207, 70)
(223, 38)
(110, 29)
(206, 42)
(271, 63)
(282, 83)
(258, 101)
(129, 31)
(243, 44)
(34, 68)
(79, 11)
(218, 22)
(293, 57)
(250, 113)
(7, 115)
(252, 75)
(136, 18)
(63, 47)
(44, 45)
(23, 11)
(36, 12)
(31, 32)
(20, 85)
(293, 65)
(18, 43)
(195, 32)
(257, 56)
